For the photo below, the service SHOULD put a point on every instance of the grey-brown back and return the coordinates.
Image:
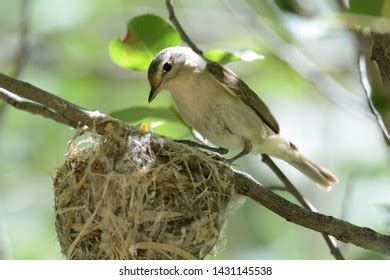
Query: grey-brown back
(229, 79)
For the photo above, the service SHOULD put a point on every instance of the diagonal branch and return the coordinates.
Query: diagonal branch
(244, 184)
(38, 101)
(34, 108)
(48, 100)
(179, 28)
(341, 230)
(330, 241)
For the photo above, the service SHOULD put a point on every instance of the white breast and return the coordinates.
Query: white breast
(215, 113)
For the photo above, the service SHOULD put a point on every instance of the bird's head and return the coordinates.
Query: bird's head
(169, 66)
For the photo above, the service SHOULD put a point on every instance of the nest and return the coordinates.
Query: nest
(140, 197)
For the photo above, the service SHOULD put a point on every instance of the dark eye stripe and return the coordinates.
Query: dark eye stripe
(167, 66)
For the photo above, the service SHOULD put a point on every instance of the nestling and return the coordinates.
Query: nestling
(213, 100)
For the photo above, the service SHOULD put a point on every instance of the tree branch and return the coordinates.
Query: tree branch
(38, 101)
(366, 84)
(277, 188)
(381, 55)
(34, 108)
(341, 230)
(244, 184)
(330, 241)
(179, 28)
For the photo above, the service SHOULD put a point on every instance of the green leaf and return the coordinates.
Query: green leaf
(165, 121)
(285, 5)
(175, 130)
(372, 7)
(146, 36)
(223, 56)
(136, 114)
(126, 56)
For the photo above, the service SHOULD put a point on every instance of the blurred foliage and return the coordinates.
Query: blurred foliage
(163, 120)
(149, 34)
(372, 7)
(135, 115)
(68, 56)
(223, 56)
(285, 5)
(381, 101)
(146, 36)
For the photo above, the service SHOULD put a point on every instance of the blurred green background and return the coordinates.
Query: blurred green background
(68, 55)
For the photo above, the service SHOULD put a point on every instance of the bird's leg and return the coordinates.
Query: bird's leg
(218, 150)
(247, 149)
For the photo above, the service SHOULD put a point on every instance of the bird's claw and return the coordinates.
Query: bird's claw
(221, 151)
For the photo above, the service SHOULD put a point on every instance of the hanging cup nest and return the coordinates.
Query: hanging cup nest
(140, 197)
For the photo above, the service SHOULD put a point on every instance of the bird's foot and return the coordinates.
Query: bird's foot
(218, 150)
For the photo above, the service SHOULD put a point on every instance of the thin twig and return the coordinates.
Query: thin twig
(372, 73)
(368, 93)
(331, 242)
(287, 183)
(3, 109)
(179, 28)
(191, 143)
(20, 58)
(348, 195)
(21, 54)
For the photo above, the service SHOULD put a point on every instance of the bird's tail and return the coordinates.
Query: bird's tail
(322, 177)
(279, 147)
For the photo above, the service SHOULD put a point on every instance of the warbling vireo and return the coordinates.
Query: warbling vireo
(213, 100)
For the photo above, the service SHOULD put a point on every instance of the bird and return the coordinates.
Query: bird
(215, 102)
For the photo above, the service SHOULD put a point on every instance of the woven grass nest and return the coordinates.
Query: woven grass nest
(136, 197)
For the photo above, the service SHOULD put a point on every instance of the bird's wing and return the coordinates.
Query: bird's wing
(237, 87)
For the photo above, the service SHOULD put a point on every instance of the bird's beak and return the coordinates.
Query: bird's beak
(153, 92)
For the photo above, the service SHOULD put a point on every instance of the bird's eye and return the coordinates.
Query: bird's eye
(167, 66)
